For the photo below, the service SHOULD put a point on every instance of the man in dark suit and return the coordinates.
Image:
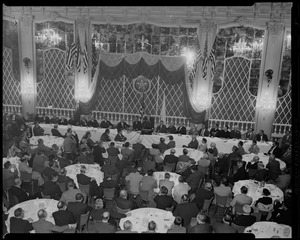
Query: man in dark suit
(223, 133)
(77, 208)
(203, 225)
(73, 121)
(287, 157)
(108, 169)
(51, 188)
(193, 144)
(123, 201)
(171, 158)
(63, 216)
(97, 152)
(84, 157)
(146, 124)
(120, 137)
(104, 226)
(93, 122)
(203, 194)
(161, 128)
(171, 129)
(82, 178)
(171, 143)
(194, 179)
(261, 136)
(122, 125)
(113, 153)
(235, 133)
(181, 129)
(106, 124)
(54, 119)
(44, 119)
(18, 224)
(17, 191)
(55, 132)
(83, 121)
(63, 121)
(245, 219)
(273, 167)
(107, 183)
(275, 150)
(38, 130)
(186, 210)
(137, 124)
(162, 146)
(241, 173)
(163, 200)
(214, 130)
(286, 140)
(203, 131)
(105, 136)
(138, 149)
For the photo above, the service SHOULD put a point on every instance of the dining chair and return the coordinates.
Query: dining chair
(240, 229)
(170, 167)
(62, 186)
(86, 190)
(220, 203)
(206, 205)
(83, 222)
(144, 195)
(238, 208)
(108, 197)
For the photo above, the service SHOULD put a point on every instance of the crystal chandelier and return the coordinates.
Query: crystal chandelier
(49, 37)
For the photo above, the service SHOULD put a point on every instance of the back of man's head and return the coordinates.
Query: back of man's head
(127, 225)
(150, 172)
(185, 198)
(178, 221)
(123, 194)
(185, 151)
(61, 205)
(224, 181)
(18, 212)
(167, 175)
(208, 186)
(98, 203)
(105, 216)
(79, 197)
(151, 225)
(42, 214)
(71, 184)
(180, 179)
(164, 190)
(172, 151)
(244, 189)
(126, 144)
(202, 218)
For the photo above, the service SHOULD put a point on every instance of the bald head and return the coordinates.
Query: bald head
(127, 225)
(18, 182)
(256, 158)
(123, 194)
(105, 216)
(42, 214)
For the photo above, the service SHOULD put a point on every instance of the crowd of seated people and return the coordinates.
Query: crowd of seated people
(132, 182)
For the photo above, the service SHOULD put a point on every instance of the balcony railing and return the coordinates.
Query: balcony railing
(12, 108)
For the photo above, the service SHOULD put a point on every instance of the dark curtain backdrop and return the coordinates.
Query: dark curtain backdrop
(149, 71)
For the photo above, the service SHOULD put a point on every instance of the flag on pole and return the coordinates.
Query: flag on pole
(197, 60)
(94, 61)
(78, 57)
(212, 59)
(70, 56)
(85, 57)
(204, 67)
(163, 110)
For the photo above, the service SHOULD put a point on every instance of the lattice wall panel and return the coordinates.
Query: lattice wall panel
(11, 88)
(234, 101)
(283, 113)
(54, 89)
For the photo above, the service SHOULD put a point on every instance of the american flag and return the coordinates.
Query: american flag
(212, 59)
(78, 57)
(197, 60)
(85, 58)
(70, 56)
(204, 67)
(94, 60)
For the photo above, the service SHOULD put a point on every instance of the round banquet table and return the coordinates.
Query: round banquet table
(92, 170)
(265, 159)
(255, 191)
(142, 216)
(31, 208)
(192, 153)
(13, 160)
(48, 141)
(269, 229)
(161, 175)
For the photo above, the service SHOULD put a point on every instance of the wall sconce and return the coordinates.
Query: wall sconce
(27, 62)
(269, 75)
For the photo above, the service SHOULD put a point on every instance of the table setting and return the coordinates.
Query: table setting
(192, 153)
(49, 141)
(269, 230)
(264, 158)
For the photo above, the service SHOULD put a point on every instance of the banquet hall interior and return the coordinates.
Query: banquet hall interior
(154, 119)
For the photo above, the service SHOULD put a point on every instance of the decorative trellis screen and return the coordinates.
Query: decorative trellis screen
(234, 102)
(11, 88)
(54, 90)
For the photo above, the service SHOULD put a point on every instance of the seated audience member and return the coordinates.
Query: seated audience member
(70, 194)
(106, 123)
(84, 145)
(63, 178)
(205, 193)
(241, 150)
(39, 160)
(90, 142)
(146, 123)
(82, 178)
(42, 147)
(163, 200)
(286, 140)
(137, 124)
(203, 164)
(93, 122)
(245, 219)
(193, 130)
(172, 129)
(233, 156)
(171, 158)
(161, 128)
(105, 136)
(186, 210)
(213, 146)
(70, 144)
(108, 168)
(44, 226)
(18, 224)
(194, 179)
(120, 137)
(184, 157)
(214, 130)
(287, 158)
(171, 143)
(129, 152)
(265, 204)
(63, 216)
(222, 164)
(103, 226)
(275, 150)
(203, 225)
(283, 181)
(55, 131)
(181, 129)
(148, 183)
(223, 133)
(261, 136)
(203, 145)
(262, 172)
(180, 189)
(162, 146)
(252, 167)
(83, 121)
(98, 151)
(254, 148)
(44, 119)
(273, 167)
(221, 227)
(63, 121)
(123, 201)
(241, 198)
(84, 157)
(167, 183)
(107, 183)
(10, 173)
(38, 130)
(224, 190)
(78, 208)
(177, 226)
(138, 149)
(54, 119)
(148, 163)
(127, 225)
(203, 131)
(151, 227)
(193, 144)
(250, 134)
(51, 188)
(122, 125)
(235, 133)
(134, 180)
(241, 173)
(156, 154)
(73, 121)
(17, 191)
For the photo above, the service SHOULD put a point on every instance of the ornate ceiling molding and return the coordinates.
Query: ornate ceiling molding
(54, 15)
(241, 20)
(26, 20)
(82, 23)
(274, 27)
(108, 19)
(207, 26)
(179, 22)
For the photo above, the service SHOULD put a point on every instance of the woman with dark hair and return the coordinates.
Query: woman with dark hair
(265, 204)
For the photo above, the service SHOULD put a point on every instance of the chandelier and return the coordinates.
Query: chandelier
(48, 37)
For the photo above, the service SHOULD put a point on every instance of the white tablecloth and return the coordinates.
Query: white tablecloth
(255, 191)
(142, 216)
(92, 170)
(31, 209)
(192, 153)
(265, 159)
(269, 229)
(224, 146)
(13, 160)
(161, 175)
(48, 141)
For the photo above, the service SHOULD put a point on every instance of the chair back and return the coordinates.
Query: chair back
(114, 177)
(144, 194)
(45, 196)
(62, 186)
(85, 188)
(252, 172)
(240, 229)
(25, 177)
(206, 204)
(221, 200)
(238, 208)
(169, 167)
(83, 221)
(122, 211)
(14, 200)
(109, 193)
(113, 160)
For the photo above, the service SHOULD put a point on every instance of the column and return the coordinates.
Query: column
(268, 88)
